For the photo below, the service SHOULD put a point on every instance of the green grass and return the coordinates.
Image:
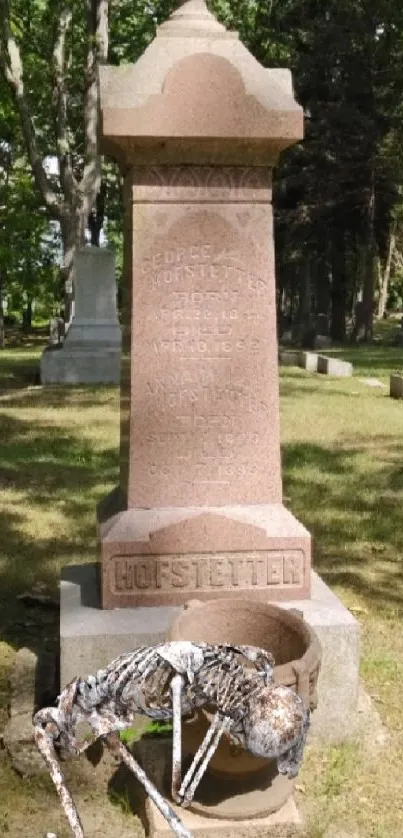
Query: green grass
(342, 454)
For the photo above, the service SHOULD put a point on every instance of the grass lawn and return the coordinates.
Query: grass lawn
(342, 450)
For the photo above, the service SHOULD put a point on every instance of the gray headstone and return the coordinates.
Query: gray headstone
(92, 348)
(334, 366)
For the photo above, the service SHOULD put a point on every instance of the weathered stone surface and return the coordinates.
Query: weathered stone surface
(286, 823)
(308, 361)
(18, 733)
(22, 682)
(334, 366)
(168, 555)
(80, 366)
(91, 352)
(20, 745)
(197, 85)
(335, 718)
(396, 385)
(199, 510)
(289, 357)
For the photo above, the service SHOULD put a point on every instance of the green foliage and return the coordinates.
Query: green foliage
(337, 195)
(131, 734)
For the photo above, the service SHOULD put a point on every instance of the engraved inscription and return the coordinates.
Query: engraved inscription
(204, 572)
(204, 383)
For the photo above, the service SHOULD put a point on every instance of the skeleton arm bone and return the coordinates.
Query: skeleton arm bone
(206, 750)
(120, 751)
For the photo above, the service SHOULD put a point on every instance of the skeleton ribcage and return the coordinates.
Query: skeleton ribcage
(140, 682)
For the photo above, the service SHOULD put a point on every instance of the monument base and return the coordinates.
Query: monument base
(91, 637)
(80, 365)
(286, 823)
(167, 556)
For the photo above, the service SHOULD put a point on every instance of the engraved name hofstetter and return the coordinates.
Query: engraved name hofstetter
(229, 571)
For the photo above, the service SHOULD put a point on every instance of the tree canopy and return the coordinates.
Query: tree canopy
(338, 194)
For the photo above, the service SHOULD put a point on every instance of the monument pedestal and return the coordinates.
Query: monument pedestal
(91, 637)
(168, 556)
(91, 352)
(88, 364)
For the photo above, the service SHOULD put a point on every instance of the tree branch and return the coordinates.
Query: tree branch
(97, 54)
(67, 179)
(11, 63)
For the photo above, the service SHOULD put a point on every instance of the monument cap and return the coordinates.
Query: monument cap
(197, 96)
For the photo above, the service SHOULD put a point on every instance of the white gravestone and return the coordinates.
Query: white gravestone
(92, 348)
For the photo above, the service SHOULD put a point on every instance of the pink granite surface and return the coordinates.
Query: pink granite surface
(199, 508)
(203, 390)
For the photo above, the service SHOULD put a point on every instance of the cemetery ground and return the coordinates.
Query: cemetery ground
(343, 478)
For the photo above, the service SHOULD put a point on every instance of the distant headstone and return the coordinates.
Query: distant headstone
(56, 331)
(396, 385)
(287, 337)
(322, 342)
(334, 366)
(398, 337)
(308, 361)
(92, 349)
(289, 357)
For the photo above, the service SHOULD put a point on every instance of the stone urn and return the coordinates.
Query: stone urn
(237, 784)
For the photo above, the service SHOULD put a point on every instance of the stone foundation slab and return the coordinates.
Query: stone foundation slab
(86, 365)
(308, 361)
(286, 823)
(334, 366)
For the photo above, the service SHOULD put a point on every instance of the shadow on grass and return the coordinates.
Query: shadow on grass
(299, 386)
(354, 513)
(50, 480)
(49, 397)
(45, 462)
(370, 359)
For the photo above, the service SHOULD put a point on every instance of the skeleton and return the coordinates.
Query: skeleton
(171, 681)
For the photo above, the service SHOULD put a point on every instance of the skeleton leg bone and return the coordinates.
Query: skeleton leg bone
(120, 751)
(208, 747)
(176, 689)
(44, 744)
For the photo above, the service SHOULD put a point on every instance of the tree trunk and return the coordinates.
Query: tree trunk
(370, 267)
(73, 206)
(385, 277)
(2, 330)
(72, 230)
(303, 326)
(97, 216)
(338, 292)
(27, 315)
